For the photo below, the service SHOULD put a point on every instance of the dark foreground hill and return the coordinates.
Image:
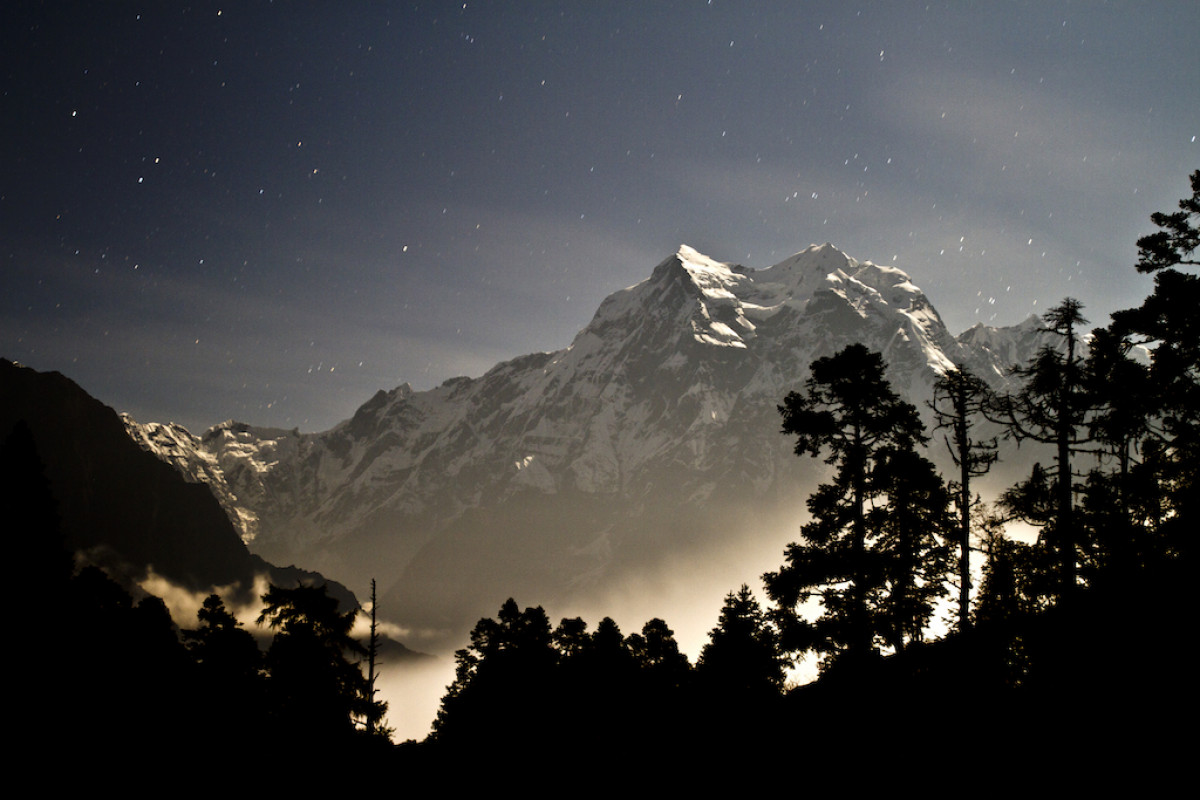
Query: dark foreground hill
(116, 503)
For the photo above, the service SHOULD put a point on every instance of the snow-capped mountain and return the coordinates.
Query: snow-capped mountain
(654, 433)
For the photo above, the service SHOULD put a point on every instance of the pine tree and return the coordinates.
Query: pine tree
(1122, 505)
(1008, 597)
(222, 647)
(959, 397)
(503, 694)
(657, 655)
(742, 658)
(1052, 407)
(1175, 243)
(849, 409)
(230, 678)
(375, 709)
(910, 530)
(317, 690)
(1169, 321)
(571, 638)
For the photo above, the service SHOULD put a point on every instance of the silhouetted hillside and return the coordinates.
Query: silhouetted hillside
(119, 504)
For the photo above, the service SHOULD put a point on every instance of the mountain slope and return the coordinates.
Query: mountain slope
(652, 437)
(114, 501)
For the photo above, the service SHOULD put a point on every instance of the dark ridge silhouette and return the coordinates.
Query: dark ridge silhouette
(120, 505)
(117, 505)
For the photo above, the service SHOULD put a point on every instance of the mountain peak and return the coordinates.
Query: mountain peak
(659, 420)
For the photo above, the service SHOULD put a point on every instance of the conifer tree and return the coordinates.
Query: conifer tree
(1175, 243)
(230, 679)
(1052, 407)
(1169, 321)
(959, 397)
(849, 409)
(375, 709)
(658, 656)
(571, 638)
(1122, 502)
(910, 528)
(742, 657)
(318, 691)
(222, 647)
(503, 683)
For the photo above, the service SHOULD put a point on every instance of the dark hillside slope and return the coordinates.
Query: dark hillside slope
(116, 502)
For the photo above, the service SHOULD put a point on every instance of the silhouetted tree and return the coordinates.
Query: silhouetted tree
(1169, 321)
(1052, 407)
(373, 722)
(660, 702)
(317, 691)
(571, 638)
(1123, 501)
(1009, 596)
(849, 409)
(1033, 501)
(503, 690)
(129, 674)
(910, 530)
(1175, 243)
(742, 659)
(608, 647)
(604, 687)
(657, 654)
(959, 398)
(521, 688)
(230, 679)
(222, 647)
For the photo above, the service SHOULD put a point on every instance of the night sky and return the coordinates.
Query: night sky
(268, 211)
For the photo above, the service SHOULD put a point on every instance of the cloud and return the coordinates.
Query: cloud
(183, 603)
